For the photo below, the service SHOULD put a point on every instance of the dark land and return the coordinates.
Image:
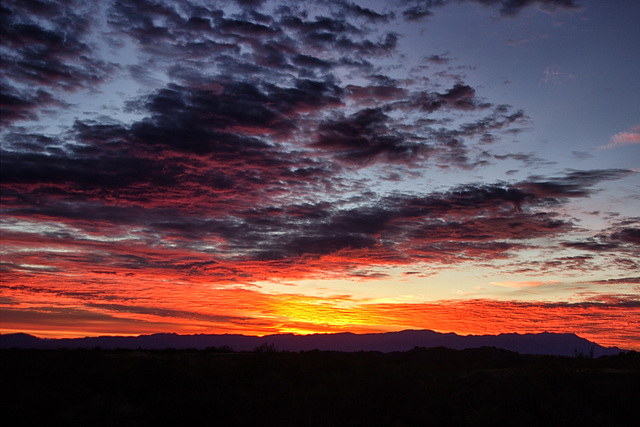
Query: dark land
(546, 343)
(217, 386)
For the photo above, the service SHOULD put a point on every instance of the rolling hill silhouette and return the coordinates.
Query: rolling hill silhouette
(542, 343)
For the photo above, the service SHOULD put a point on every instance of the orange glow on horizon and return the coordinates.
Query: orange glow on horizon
(195, 310)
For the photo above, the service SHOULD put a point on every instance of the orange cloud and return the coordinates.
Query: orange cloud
(144, 305)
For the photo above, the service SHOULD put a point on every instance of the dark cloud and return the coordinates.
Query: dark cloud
(497, 120)
(364, 137)
(459, 97)
(245, 149)
(624, 280)
(423, 8)
(358, 11)
(244, 28)
(622, 238)
(367, 47)
(308, 61)
(250, 3)
(120, 163)
(416, 13)
(591, 245)
(513, 7)
(402, 225)
(26, 104)
(136, 19)
(44, 45)
(375, 94)
(528, 159)
(322, 27)
(573, 184)
(628, 235)
(305, 96)
(438, 59)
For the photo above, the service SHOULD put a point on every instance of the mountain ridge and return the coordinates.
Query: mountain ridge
(544, 343)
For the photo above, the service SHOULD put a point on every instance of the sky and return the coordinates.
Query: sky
(261, 167)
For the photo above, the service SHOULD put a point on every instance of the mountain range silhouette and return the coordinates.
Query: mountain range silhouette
(545, 343)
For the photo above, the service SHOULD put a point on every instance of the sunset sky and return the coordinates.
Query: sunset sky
(259, 167)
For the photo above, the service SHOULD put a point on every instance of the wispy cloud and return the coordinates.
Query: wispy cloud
(556, 75)
(524, 284)
(621, 139)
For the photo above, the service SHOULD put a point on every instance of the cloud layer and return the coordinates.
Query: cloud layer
(265, 143)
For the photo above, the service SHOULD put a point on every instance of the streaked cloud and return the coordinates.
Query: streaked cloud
(621, 139)
(524, 284)
(555, 74)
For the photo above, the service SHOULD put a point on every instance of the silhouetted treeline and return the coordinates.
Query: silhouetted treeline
(437, 386)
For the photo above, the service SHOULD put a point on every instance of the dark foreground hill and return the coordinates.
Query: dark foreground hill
(422, 387)
(543, 343)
